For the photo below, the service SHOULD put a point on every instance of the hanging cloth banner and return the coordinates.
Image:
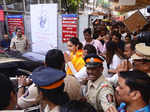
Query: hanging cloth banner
(43, 27)
(127, 2)
(1, 14)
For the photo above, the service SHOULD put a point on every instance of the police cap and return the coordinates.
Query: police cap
(141, 52)
(48, 78)
(93, 60)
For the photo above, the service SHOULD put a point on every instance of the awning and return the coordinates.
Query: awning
(139, 4)
(97, 14)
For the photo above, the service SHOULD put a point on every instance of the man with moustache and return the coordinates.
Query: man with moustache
(133, 90)
(100, 92)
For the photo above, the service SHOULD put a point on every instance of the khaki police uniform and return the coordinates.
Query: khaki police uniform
(72, 87)
(100, 94)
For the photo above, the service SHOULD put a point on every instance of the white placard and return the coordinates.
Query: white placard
(43, 27)
(127, 2)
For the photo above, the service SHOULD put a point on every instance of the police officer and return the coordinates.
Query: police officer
(141, 59)
(30, 98)
(54, 59)
(100, 92)
(50, 83)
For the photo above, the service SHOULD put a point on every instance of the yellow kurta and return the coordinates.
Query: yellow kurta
(77, 61)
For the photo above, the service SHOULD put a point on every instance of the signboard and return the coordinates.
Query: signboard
(43, 27)
(1, 14)
(134, 21)
(15, 21)
(127, 2)
(69, 26)
(93, 18)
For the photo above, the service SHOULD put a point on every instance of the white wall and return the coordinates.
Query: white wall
(61, 45)
(83, 23)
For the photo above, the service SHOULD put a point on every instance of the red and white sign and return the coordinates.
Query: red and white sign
(1, 15)
(69, 26)
(15, 21)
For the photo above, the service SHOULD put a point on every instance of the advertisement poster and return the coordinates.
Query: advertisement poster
(15, 21)
(43, 27)
(69, 26)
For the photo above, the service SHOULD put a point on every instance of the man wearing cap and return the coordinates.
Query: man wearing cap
(50, 83)
(29, 98)
(141, 59)
(100, 92)
(54, 59)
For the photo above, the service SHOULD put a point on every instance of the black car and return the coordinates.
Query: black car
(13, 64)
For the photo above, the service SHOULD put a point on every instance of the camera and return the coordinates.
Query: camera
(144, 37)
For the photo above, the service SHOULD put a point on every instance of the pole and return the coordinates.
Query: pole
(93, 5)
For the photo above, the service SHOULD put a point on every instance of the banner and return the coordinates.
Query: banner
(43, 27)
(15, 21)
(1, 14)
(135, 21)
(69, 26)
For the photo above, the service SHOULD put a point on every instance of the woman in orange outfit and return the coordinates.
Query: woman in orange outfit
(74, 60)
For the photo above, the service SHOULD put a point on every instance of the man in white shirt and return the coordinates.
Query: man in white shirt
(20, 42)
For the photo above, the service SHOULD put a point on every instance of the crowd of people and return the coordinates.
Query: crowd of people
(108, 72)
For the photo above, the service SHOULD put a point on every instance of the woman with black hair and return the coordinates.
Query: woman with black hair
(75, 56)
(114, 57)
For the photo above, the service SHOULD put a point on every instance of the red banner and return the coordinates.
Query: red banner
(15, 21)
(69, 26)
(1, 15)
